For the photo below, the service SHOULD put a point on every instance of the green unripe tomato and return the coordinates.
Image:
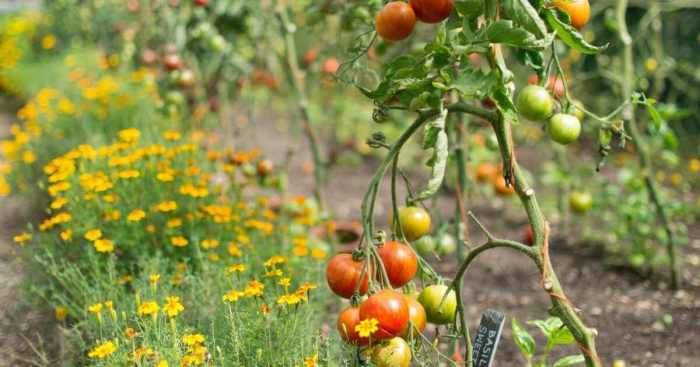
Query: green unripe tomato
(446, 244)
(535, 103)
(580, 201)
(430, 298)
(393, 353)
(415, 222)
(577, 111)
(425, 246)
(564, 128)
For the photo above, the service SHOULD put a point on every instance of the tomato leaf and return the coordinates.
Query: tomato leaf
(570, 35)
(523, 339)
(470, 9)
(435, 138)
(569, 361)
(473, 83)
(523, 13)
(503, 31)
(505, 105)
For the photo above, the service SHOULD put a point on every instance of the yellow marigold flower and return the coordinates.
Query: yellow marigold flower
(126, 278)
(112, 215)
(162, 363)
(234, 251)
(148, 308)
(129, 135)
(367, 327)
(95, 308)
(254, 288)
(104, 245)
(236, 268)
(232, 296)
(58, 187)
(213, 257)
(274, 260)
(318, 254)
(151, 228)
(300, 251)
(28, 157)
(173, 223)
(288, 299)
(172, 306)
(153, 278)
(58, 203)
(22, 237)
(285, 282)
(48, 42)
(60, 313)
(193, 339)
(178, 241)
(311, 361)
(109, 198)
(172, 135)
(103, 350)
(209, 243)
(307, 287)
(300, 241)
(166, 176)
(264, 308)
(166, 206)
(274, 273)
(93, 235)
(136, 215)
(109, 305)
(132, 173)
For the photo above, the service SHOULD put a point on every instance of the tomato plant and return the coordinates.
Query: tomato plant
(393, 353)
(396, 21)
(535, 103)
(416, 317)
(440, 304)
(564, 128)
(348, 319)
(432, 11)
(578, 10)
(415, 222)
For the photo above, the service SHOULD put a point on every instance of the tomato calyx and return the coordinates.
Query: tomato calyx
(358, 254)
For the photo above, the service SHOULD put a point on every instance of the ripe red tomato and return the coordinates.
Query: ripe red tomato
(499, 183)
(415, 222)
(343, 274)
(564, 128)
(396, 21)
(310, 56)
(347, 320)
(172, 62)
(390, 309)
(578, 10)
(201, 2)
(265, 167)
(416, 317)
(394, 353)
(432, 11)
(330, 66)
(400, 262)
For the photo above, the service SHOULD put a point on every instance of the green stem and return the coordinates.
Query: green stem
(641, 144)
(296, 78)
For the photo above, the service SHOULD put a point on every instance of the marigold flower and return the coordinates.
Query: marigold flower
(104, 245)
(166, 206)
(103, 350)
(210, 243)
(136, 215)
(148, 308)
(172, 306)
(153, 278)
(234, 251)
(232, 296)
(129, 135)
(311, 361)
(367, 327)
(22, 237)
(254, 288)
(60, 313)
(178, 241)
(93, 235)
(235, 268)
(193, 339)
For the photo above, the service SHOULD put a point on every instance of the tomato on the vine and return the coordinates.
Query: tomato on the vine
(499, 184)
(554, 84)
(343, 274)
(265, 167)
(201, 2)
(432, 11)
(580, 201)
(400, 262)
(425, 245)
(390, 309)
(185, 79)
(330, 66)
(415, 222)
(395, 21)
(446, 244)
(431, 297)
(393, 353)
(172, 62)
(347, 320)
(535, 103)
(564, 128)
(579, 11)
(416, 317)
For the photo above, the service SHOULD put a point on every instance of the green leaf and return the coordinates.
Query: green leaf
(570, 35)
(523, 339)
(504, 32)
(505, 105)
(470, 9)
(523, 13)
(654, 115)
(435, 138)
(561, 336)
(472, 83)
(569, 361)
(547, 326)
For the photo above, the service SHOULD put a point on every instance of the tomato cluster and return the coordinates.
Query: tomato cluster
(397, 19)
(397, 316)
(535, 103)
